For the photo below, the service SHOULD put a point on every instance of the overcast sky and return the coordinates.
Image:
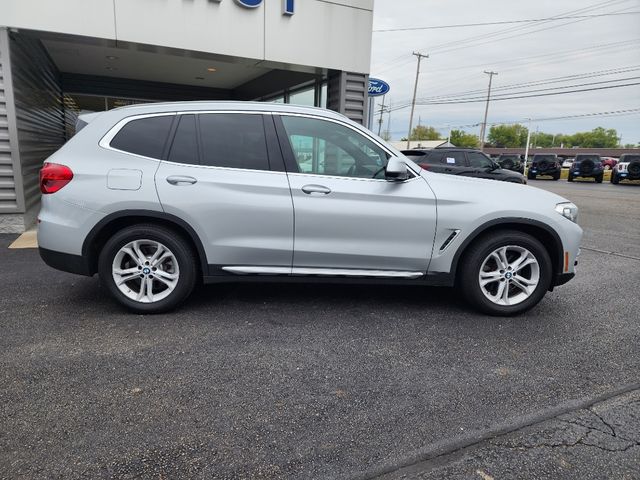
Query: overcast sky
(535, 52)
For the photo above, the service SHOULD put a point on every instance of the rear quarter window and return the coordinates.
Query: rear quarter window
(144, 136)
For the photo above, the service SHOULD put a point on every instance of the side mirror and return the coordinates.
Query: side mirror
(396, 170)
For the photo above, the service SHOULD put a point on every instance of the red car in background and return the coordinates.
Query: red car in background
(609, 162)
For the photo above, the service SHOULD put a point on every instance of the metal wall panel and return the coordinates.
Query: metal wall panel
(8, 195)
(39, 111)
(347, 94)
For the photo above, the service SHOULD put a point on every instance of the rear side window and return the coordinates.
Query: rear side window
(233, 140)
(184, 148)
(453, 158)
(145, 136)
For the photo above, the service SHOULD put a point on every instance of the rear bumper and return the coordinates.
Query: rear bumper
(66, 262)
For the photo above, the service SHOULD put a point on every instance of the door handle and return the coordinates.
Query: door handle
(310, 189)
(181, 180)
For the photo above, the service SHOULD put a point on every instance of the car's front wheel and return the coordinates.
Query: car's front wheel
(147, 268)
(505, 273)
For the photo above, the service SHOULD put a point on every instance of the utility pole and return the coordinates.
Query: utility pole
(381, 112)
(486, 110)
(415, 90)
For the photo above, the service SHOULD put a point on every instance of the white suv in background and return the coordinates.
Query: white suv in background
(158, 197)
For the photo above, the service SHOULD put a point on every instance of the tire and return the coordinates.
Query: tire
(176, 261)
(614, 178)
(556, 177)
(599, 178)
(570, 178)
(478, 258)
(531, 176)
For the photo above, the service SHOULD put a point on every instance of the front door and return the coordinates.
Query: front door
(348, 218)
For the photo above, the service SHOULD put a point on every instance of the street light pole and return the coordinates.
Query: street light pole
(486, 110)
(415, 90)
(526, 150)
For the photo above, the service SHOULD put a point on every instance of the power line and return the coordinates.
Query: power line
(519, 96)
(531, 20)
(403, 59)
(612, 113)
(532, 96)
(566, 78)
(466, 95)
(498, 96)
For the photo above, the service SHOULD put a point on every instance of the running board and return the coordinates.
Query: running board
(330, 272)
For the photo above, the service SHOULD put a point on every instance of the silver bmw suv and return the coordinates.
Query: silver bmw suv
(158, 197)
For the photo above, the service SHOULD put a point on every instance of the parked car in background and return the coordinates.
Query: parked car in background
(587, 165)
(544, 164)
(156, 198)
(513, 162)
(568, 162)
(608, 163)
(628, 168)
(460, 161)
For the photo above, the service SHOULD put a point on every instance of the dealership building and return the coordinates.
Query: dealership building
(58, 59)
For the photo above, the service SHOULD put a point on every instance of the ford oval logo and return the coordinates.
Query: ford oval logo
(378, 87)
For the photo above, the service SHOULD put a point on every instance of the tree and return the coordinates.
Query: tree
(462, 139)
(422, 132)
(597, 138)
(508, 135)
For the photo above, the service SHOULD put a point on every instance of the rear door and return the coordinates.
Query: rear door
(224, 176)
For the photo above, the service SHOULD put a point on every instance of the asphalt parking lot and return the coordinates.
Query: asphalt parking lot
(320, 381)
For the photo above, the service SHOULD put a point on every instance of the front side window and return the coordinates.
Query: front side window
(326, 148)
(144, 136)
(235, 140)
(478, 160)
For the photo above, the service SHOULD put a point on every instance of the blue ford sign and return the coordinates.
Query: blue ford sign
(378, 87)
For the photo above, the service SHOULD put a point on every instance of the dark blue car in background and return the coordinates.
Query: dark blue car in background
(587, 165)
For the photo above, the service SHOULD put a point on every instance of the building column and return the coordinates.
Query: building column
(347, 93)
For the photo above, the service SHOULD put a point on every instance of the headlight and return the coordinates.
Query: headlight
(568, 210)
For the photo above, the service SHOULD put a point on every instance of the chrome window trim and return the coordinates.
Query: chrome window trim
(105, 141)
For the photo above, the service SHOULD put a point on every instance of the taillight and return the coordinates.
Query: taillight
(53, 177)
(424, 165)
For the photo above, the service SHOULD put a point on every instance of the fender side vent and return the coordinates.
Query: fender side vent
(449, 239)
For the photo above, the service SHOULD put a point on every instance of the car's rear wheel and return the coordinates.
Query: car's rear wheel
(599, 178)
(614, 178)
(531, 176)
(505, 273)
(147, 268)
(570, 178)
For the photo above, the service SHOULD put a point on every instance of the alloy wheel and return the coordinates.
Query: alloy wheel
(145, 271)
(509, 275)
